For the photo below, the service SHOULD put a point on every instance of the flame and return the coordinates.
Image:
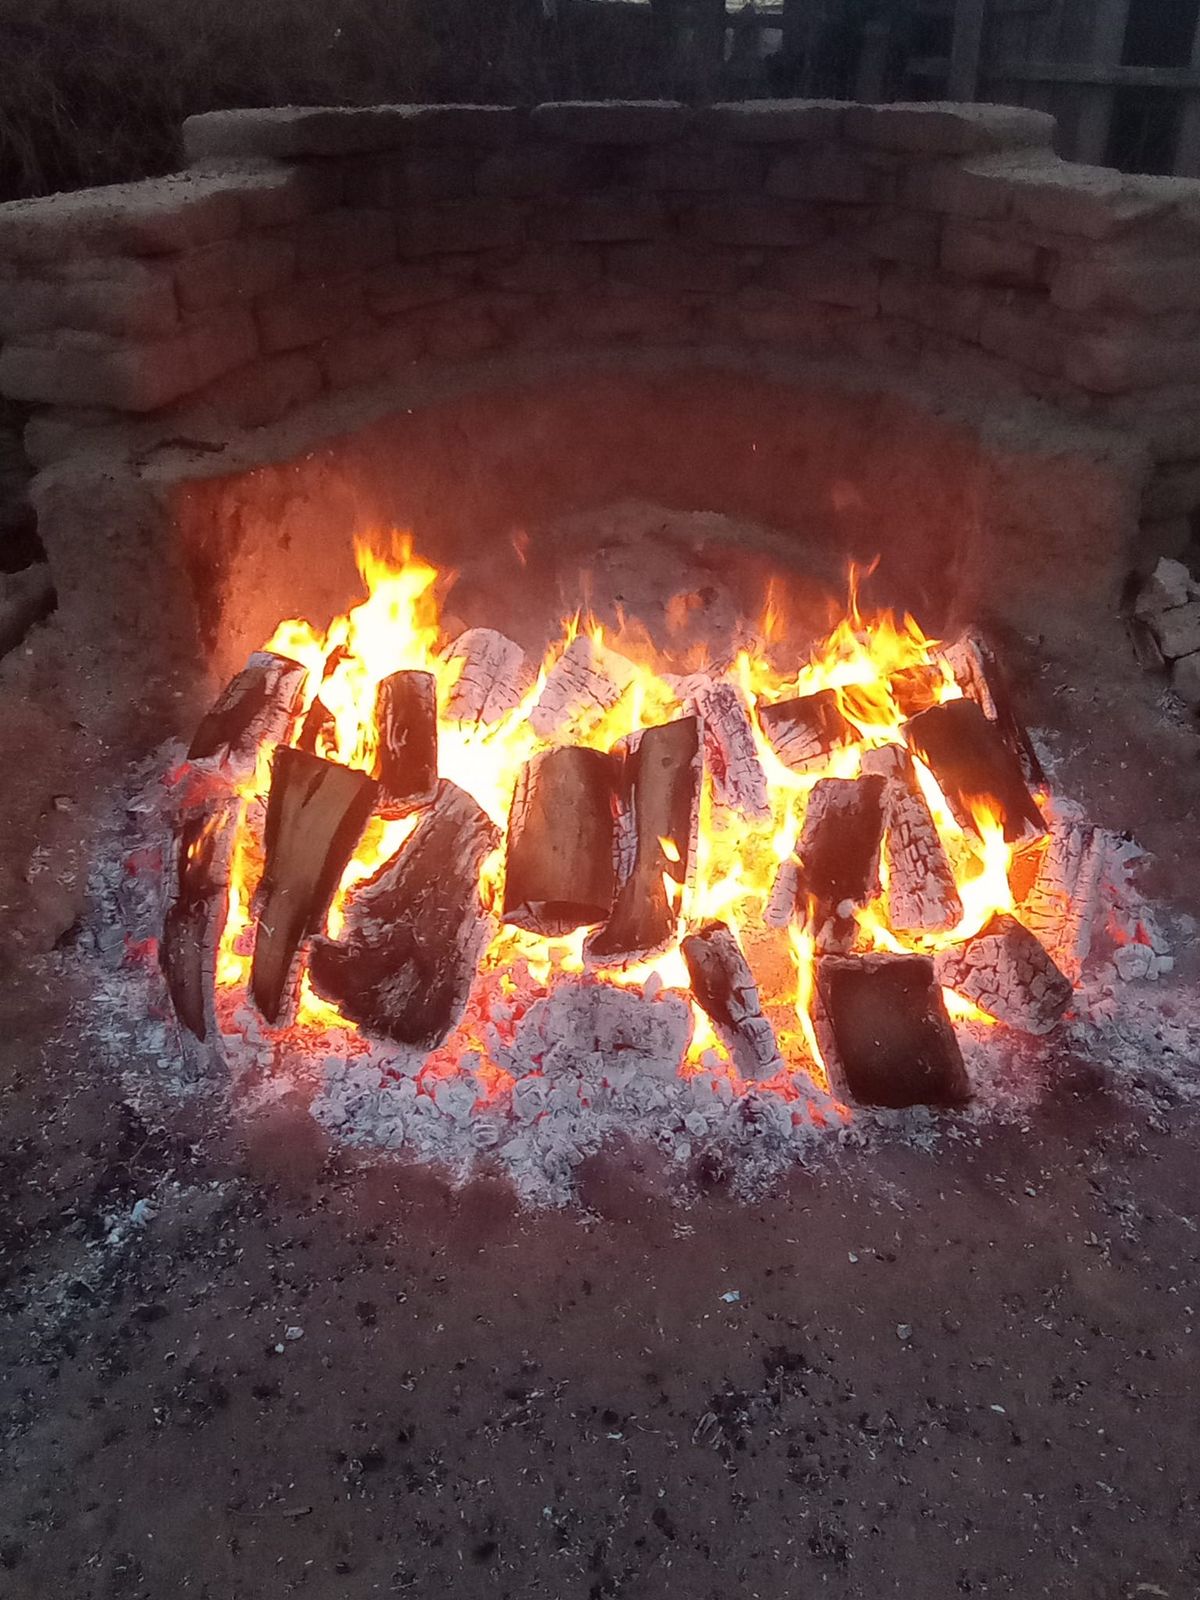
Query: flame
(732, 862)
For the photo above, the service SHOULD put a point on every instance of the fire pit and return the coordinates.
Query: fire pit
(770, 446)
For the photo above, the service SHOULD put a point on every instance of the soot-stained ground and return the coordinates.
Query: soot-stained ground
(236, 1366)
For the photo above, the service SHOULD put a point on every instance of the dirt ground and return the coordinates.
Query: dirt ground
(971, 1371)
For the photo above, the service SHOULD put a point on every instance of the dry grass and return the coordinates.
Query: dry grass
(93, 91)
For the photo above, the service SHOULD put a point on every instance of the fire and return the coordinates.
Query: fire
(732, 862)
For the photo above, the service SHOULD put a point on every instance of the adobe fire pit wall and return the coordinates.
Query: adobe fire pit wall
(899, 329)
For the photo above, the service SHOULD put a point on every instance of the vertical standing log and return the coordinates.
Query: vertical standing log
(586, 680)
(196, 915)
(838, 856)
(414, 932)
(921, 893)
(883, 1030)
(406, 723)
(975, 769)
(730, 754)
(662, 791)
(494, 678)
(257, 707)
(316, 812)
(979, 675)
(1008, 974)
(559, 873)
(725, 989)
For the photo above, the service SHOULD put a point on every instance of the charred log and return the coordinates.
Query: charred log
(317, 729)
(981, 678)
(560, 871)
(585, 681)
(921, 894)
(495, 676)
(660, 798)
(838, 856)
(730, 755)
(975, 768)
(804, 732)
(414, 932)
(882, 1026)
(916, 688)
(725, 989)
(406, 722)
(1064, 905)
(783, 902)
(196, 916)
(316, 812)
(1008, 974)
(256, 707)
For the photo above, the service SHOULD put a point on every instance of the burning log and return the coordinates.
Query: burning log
(916, 688)
(193, 923)
(782, 902)
(661, 791)
(560, 871)
(975, 767)
(256, 707)
(414, 932)
(1065, 902)
(882, 1026)
(587, 679)
(316, 811)
(739, 781)
(317, 728)
(980, 677)
(804, 732)
(921, 894)
(495, 676)
(406, 721)
(725, 989)
(1008, 974)
(838, 856)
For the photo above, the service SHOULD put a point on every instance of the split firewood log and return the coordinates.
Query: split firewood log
(257, 707)
(730, 754)
(921, 894)
(560, 871)
(1065, 905)
(975, 767)
(414, 933)
(838, 856)
(316, 812)
(725, 990)
(1008, 974)
(883, 1030)
(406, 722)
(979, 675)
(660, 787)
(495, 676)
(196, 914)
(586, 680)
(916, 688)
(805, 731)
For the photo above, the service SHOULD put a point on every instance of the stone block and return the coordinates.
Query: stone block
(1062, 198)
(217, 345)
(1110, 363)
(344, 241)
(600, 219)
(753, 223)
(992, 255)
(1131, 282)
(544, 271)
(767, 316)
(689, 167)
(977, 190)
(457, 331)
(271, 196)
(934, 303)
(826, 276)
(1027, 333)
(1168, 586)
(676, 266)
(613, 314)
(393, 180)
(287, 132)
(404, 285)
(308, 312)
(828, 173)
(256, 395)
(233, 270)
(1185, 679)
(774, 121)
(933, 128)
(127, 299)
(368, 353)
(912, 238)
(533, 170)
(1178, 630)
(459, 226)
(157, 217)
(613, 122)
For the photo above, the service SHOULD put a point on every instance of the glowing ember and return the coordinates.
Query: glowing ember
(599, 690)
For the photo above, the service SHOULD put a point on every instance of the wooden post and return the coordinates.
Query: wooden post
(1096, 101)
(965, 49)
